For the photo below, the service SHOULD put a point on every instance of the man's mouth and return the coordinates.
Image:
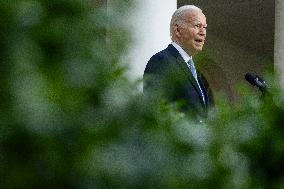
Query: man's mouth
(199, 40)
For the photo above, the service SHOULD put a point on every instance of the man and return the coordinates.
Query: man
(172, 71)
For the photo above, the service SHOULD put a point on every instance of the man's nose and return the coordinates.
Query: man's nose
(202, 31)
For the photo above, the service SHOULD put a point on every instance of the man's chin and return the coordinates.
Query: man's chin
(198, 49)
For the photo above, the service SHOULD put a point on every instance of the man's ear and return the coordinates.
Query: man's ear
(177, 30)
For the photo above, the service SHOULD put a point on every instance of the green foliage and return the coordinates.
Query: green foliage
(70, 119)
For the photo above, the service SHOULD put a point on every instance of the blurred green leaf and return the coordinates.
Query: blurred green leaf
(69, 117)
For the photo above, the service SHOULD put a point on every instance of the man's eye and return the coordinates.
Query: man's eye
(200, 26)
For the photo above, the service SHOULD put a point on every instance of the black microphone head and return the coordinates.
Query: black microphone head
(250, 78)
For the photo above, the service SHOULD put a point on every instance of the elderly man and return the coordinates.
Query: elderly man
(172, 71)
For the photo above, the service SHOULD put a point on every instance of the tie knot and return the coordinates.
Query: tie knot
(190, 61)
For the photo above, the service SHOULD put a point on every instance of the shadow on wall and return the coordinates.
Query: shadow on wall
(212, 71)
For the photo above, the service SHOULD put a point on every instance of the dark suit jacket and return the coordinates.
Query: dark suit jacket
(167, 73)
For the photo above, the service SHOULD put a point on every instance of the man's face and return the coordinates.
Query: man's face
(192, 35)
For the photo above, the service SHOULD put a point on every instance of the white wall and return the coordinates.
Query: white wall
(149, 24)
(279, 40)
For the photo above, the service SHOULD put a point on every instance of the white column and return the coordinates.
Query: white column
(279, 41)
(149, 24)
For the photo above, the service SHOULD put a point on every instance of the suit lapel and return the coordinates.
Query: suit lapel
(187, 71)
(203, 88)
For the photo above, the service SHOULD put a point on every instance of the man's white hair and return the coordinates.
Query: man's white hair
(179, 16)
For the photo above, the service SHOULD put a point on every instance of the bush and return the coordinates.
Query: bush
(69, 118)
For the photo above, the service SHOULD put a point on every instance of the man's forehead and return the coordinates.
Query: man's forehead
(195, 16)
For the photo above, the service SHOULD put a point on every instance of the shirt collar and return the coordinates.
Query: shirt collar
(183, 54)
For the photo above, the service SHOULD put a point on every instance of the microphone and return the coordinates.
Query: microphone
(255, 80)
